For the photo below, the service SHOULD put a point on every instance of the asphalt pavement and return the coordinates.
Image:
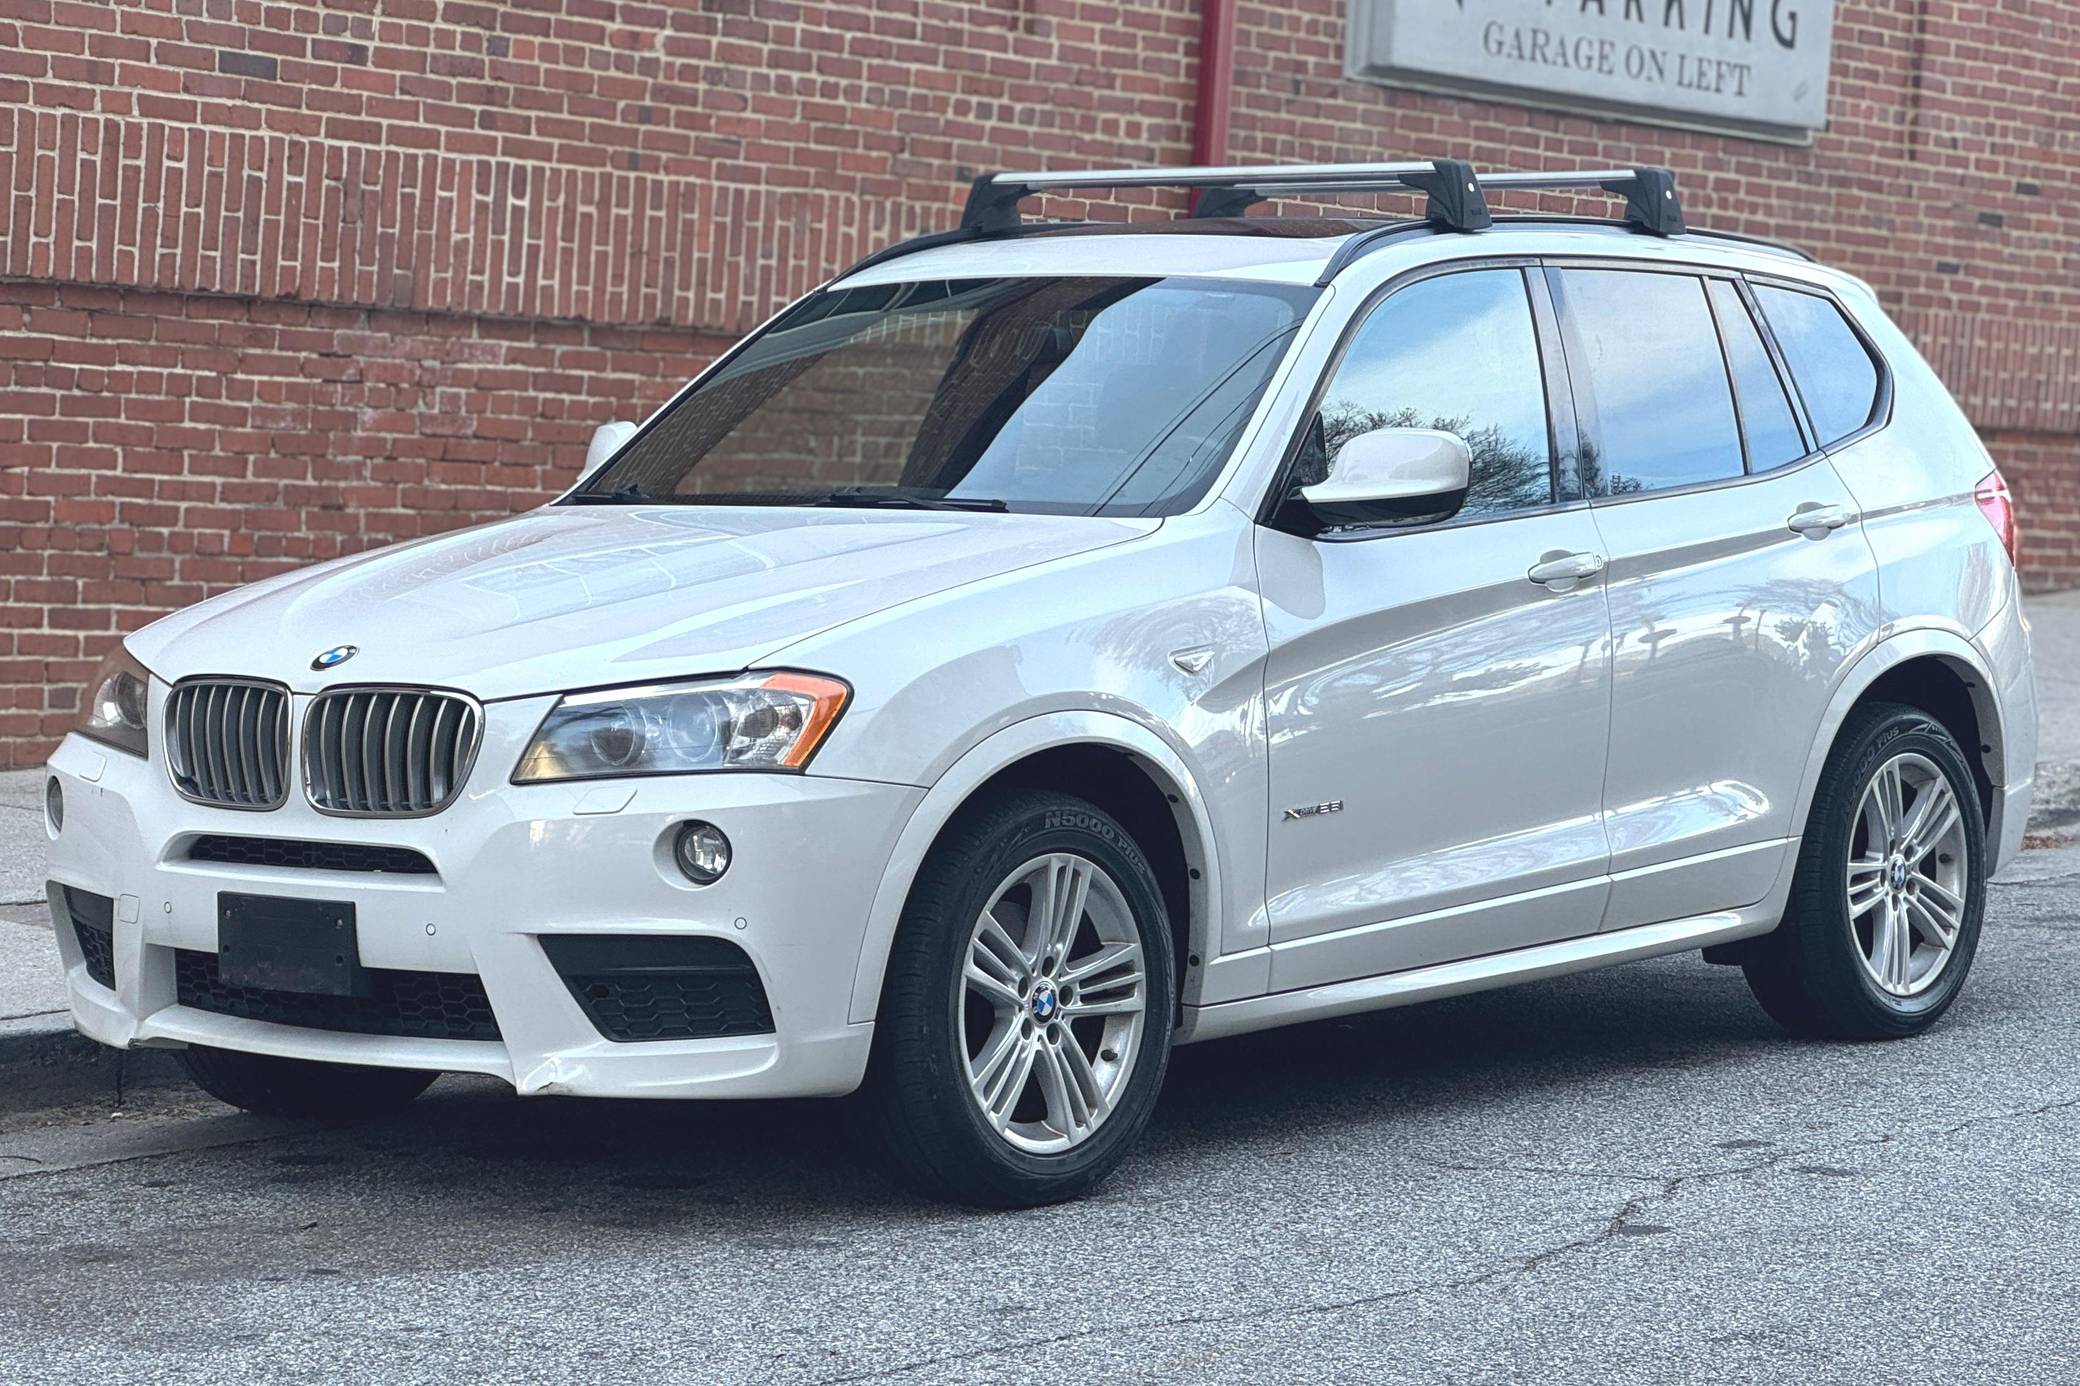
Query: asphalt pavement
(1630, 1176)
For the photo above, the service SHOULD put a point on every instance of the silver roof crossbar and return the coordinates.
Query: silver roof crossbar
(1454, 190)
(1234, 175)
(1649, 193)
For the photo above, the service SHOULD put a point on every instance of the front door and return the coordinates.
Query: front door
(1439, 693)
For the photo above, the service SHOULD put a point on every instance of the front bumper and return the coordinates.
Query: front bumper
(511, 865)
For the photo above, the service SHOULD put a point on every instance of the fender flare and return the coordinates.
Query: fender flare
(1893, 651)
(1155, 756)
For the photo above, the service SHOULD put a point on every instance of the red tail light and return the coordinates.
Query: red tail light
(1997, 504)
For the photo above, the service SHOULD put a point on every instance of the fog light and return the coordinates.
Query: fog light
(54, 804)
(702, 852)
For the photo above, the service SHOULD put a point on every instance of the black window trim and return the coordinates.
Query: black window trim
(1733, 384)
(1563, 467)
(1881, 416)
(1779, 367)
(1563, 424)
(1808, 434)
(1881, 407)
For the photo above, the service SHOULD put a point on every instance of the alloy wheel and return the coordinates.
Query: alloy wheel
(1908, 876)
(1053, 1003)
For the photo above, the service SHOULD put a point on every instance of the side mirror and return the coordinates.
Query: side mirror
(606, 441)
(1393, 474)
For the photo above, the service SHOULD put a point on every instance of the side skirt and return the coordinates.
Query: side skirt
(1473, 974)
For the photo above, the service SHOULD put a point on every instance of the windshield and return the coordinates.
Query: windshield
(1075, 396)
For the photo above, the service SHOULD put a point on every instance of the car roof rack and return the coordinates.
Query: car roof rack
(1450, 184)
(1456, 193)
(1455, 197)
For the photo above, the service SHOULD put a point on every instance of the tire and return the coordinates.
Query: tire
(936, 1026)
(1818, 974)
(272, 1086)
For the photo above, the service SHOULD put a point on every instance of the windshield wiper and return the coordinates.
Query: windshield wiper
(850, 497)
(631, 494)
(861, 498)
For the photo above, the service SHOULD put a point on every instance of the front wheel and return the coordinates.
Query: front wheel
(1025, 1022)
(1891, 885)
(274, 1086)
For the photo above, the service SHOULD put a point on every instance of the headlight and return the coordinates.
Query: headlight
(113, 712)
(764, 722)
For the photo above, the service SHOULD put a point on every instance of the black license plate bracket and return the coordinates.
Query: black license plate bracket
(275, 943)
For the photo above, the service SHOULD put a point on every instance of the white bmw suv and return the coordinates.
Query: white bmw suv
(1049, 643)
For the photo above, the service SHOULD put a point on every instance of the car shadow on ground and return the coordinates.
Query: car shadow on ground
(481, 1151)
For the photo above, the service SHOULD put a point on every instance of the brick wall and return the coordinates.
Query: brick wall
(285, 280)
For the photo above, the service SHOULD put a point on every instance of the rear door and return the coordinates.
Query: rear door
(1915, 483)
(1739, 581)
(1437, 715)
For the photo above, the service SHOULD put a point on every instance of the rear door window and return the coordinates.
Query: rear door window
(1766, 414)
(1834, 372)
(1650, 383)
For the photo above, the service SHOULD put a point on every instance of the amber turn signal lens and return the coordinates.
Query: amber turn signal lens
(827, 698)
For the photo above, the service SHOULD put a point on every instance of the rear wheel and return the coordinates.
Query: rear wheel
(274, 1086)
(1886, 907)
(1025, 1023)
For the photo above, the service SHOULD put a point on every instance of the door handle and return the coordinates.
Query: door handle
(1816, 521)
(1562, 572)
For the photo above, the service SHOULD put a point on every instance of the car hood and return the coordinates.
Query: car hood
(576, 596)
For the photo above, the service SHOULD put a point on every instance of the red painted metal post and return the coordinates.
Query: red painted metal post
(1216, 82)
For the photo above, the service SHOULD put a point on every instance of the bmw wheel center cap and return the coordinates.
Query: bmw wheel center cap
(1044, 1002)
(334, 657)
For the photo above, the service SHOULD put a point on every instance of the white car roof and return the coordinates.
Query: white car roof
(1276, 259)
(1286, 257)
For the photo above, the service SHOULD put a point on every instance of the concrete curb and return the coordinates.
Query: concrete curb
(45, 1064)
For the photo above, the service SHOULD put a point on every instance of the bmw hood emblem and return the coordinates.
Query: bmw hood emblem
(334, 657)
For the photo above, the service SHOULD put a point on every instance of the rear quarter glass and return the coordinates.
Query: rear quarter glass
(1834, 371)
